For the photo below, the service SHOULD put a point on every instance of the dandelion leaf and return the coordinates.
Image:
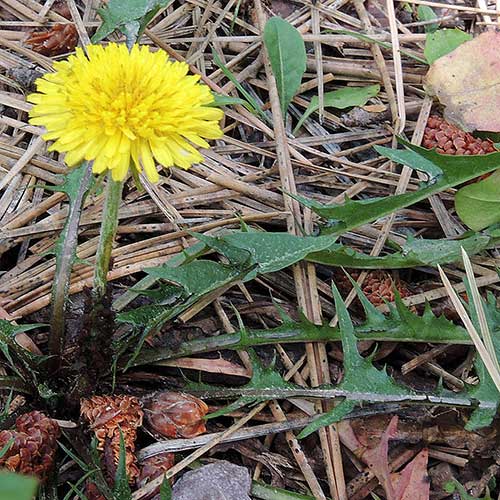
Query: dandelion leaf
(444, 172)
(360, 376)
(128, 16)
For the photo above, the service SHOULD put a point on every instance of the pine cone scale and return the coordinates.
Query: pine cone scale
(107, 417)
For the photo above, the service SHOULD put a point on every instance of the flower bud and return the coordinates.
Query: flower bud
(174, 414)
(154, 467)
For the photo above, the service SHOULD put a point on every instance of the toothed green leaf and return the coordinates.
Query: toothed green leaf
(395, 326)
(24, 363)
(485, 392)
(274, 251)
(193, 280)
(360, 376)
(234, 254)
(415, 252)
(263, 377)
(128, 16)
(335, 415)
(444, 172)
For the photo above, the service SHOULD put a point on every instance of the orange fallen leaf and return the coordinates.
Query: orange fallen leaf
(467, 82)
(412, 483)
(377, 459)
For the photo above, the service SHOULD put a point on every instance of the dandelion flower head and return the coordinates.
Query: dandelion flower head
(121, 108)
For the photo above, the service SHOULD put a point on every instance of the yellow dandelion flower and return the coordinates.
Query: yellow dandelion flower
(121, 108)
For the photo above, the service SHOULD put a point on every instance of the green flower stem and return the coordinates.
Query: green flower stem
(77, 183)
(106, 237)
(293, 333)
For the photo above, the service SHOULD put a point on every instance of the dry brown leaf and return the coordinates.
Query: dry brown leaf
(413, 482)
(467, 83)
(377, 459)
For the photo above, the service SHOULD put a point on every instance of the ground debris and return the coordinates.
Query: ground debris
(221, 480)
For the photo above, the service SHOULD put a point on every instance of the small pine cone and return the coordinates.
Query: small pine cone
(174, 414)
(153, 467)
(34, 447)
(449, 139)
(60, 39)
(107, 415)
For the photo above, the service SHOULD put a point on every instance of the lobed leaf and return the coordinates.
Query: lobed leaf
(485, 392)
(185, 285)
(128, 16)
(400, 324)
(444, 172)
(415, 252)
(360, 376)
(263, 378)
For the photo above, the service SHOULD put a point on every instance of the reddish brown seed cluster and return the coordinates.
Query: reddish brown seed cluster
(60, 39)
(450, 140)
(34, 445)
(108, 415)
(174, 414)
(378, 286)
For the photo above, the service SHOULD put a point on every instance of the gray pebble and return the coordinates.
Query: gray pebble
(219, 481)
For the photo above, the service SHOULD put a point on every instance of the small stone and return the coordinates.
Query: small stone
(24, 76)
(220, 481)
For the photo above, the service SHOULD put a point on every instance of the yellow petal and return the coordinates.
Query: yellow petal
(116, 107)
